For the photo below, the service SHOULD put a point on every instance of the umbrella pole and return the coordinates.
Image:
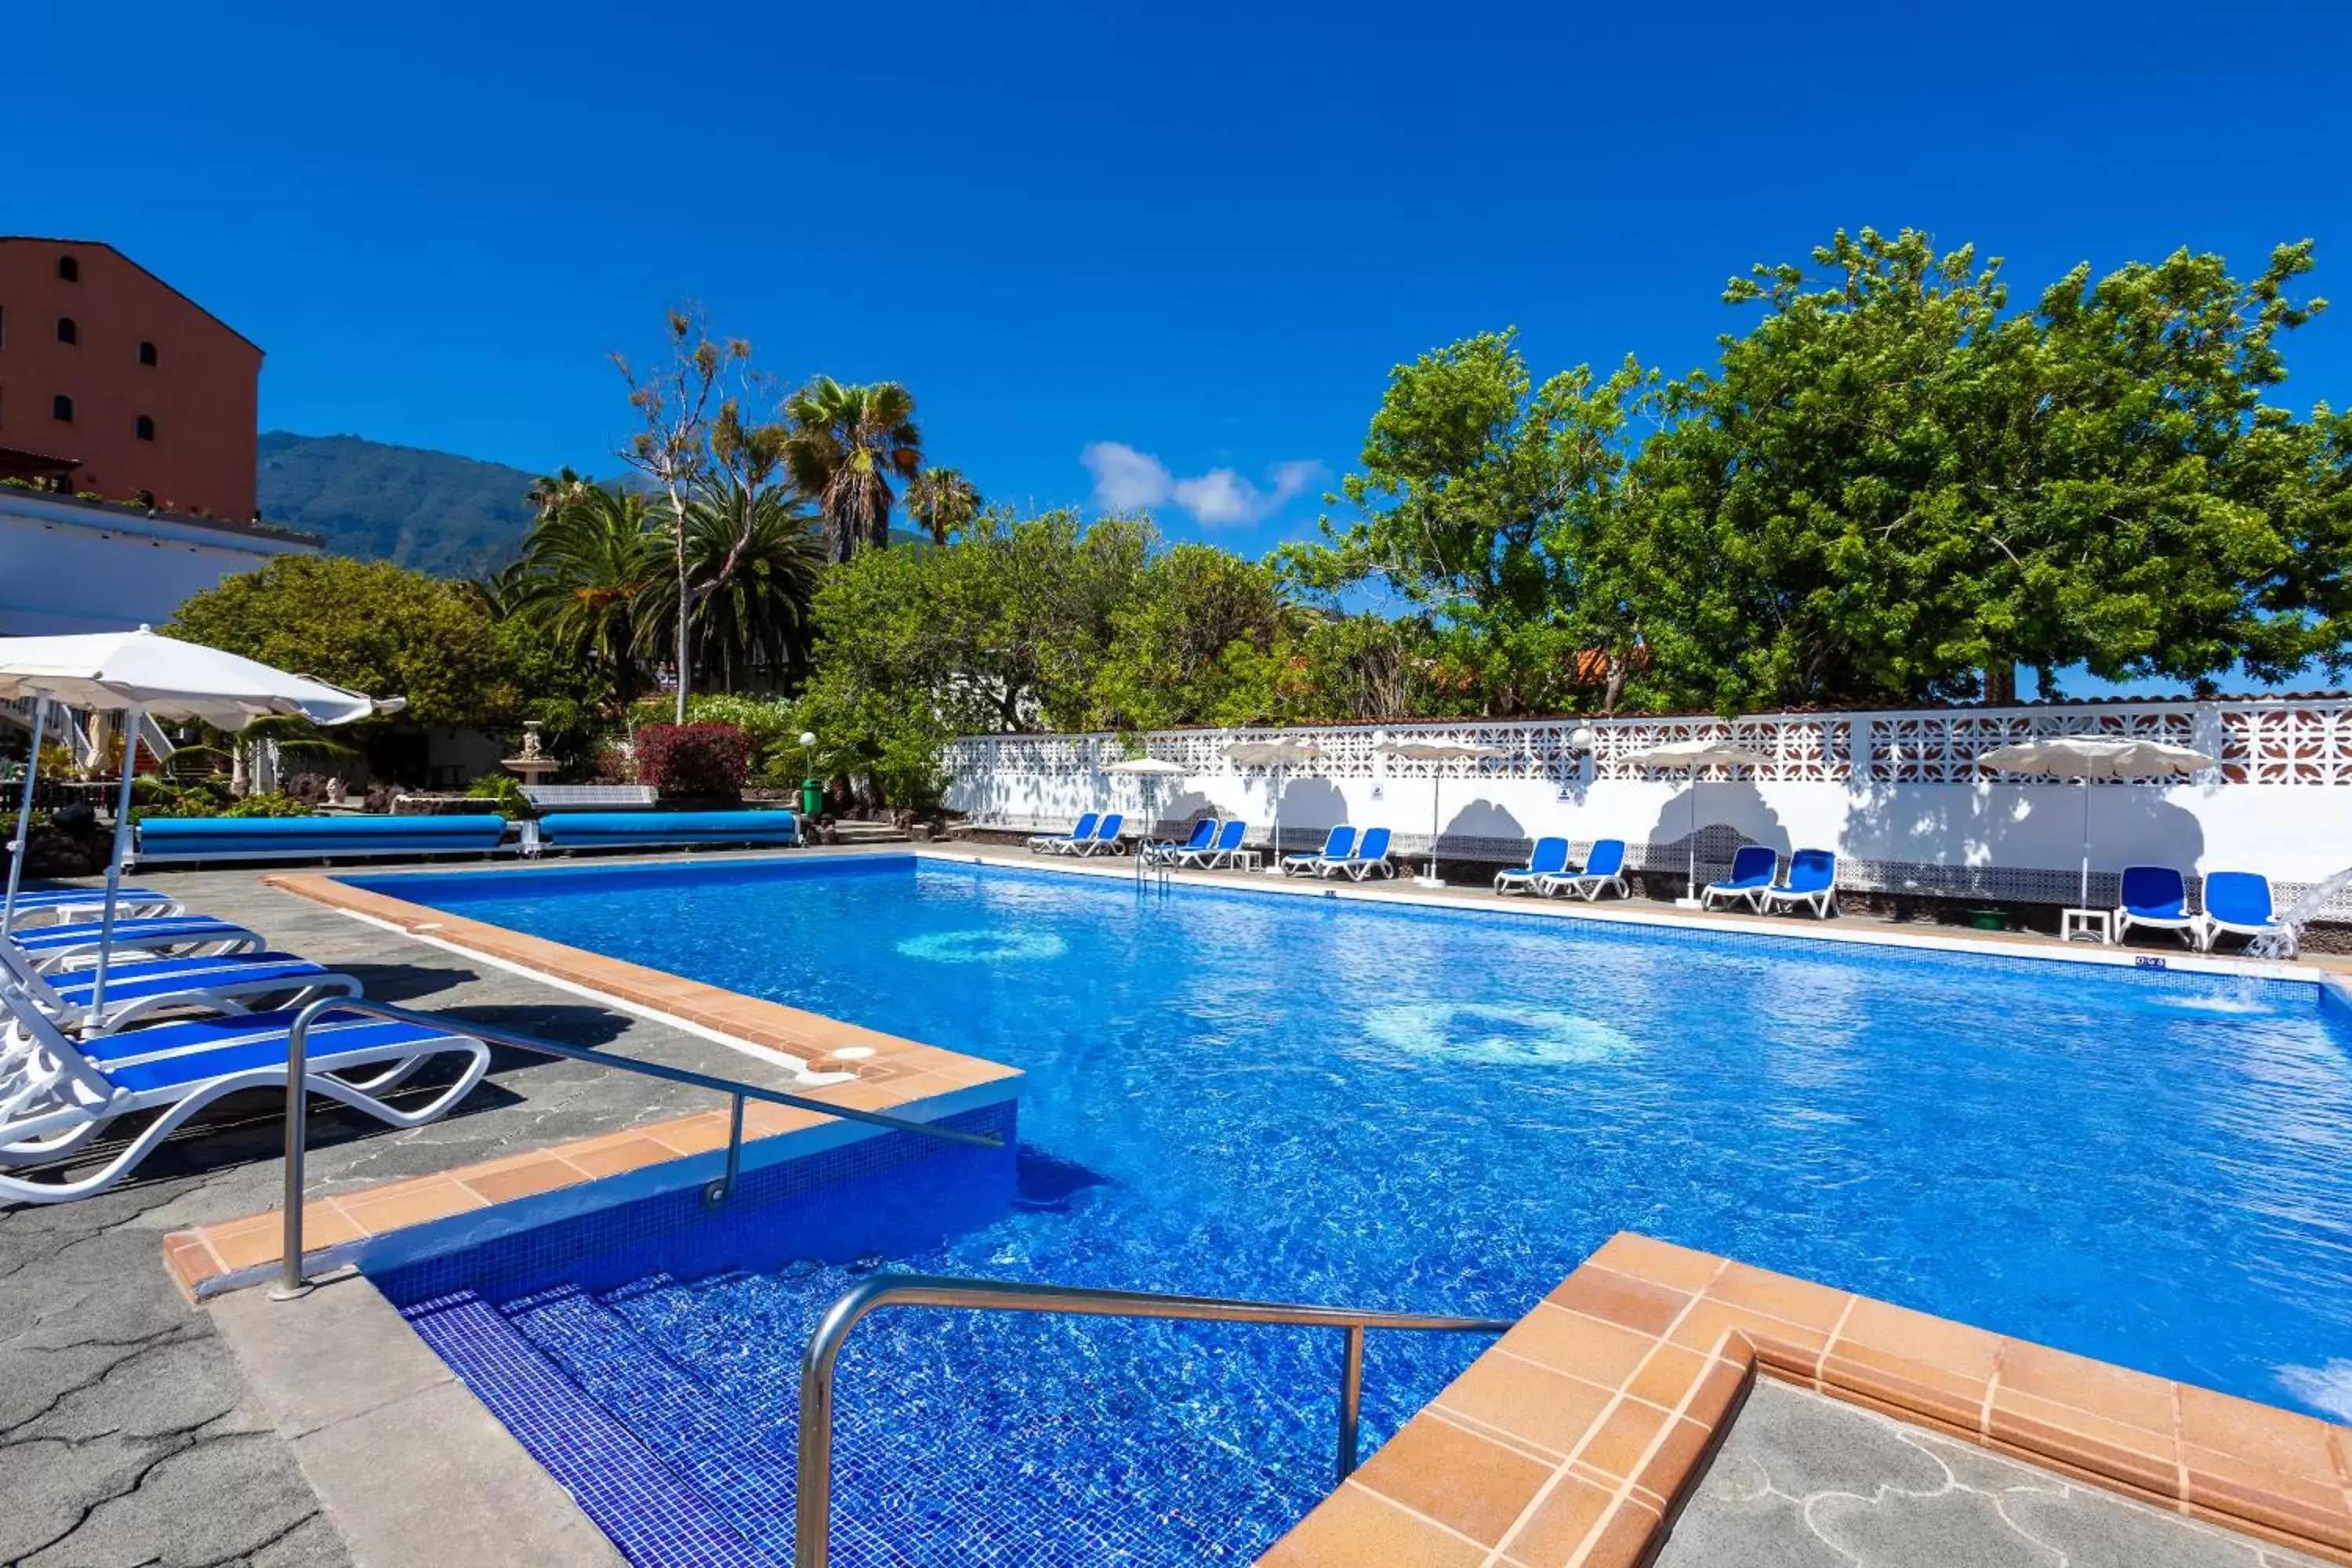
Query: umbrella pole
(1274, 788)
(1436, 787)
(1691, 890)
(2085, 894)
(24, 819)
(131, 721)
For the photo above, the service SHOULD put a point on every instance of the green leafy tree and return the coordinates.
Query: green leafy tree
(1896, 489)
(1192, 643)
(843, 448)
(369, 626)
(1478, 495)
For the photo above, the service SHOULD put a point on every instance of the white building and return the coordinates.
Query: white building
(68, 565)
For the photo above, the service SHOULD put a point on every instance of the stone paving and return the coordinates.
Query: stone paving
(1804, 1481)
(127, 1434)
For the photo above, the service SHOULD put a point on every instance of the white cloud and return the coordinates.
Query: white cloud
(1126, 479)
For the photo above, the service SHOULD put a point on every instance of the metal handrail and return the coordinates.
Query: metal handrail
(297, 1051)
(813, 1507)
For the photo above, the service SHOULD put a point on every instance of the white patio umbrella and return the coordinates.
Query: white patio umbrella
(1436, 752)
(2088, 757)
(144, 676)
(1281, 756)
(1695, 757)
(1151, 769)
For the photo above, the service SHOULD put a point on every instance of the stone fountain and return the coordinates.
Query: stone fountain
(534, 764)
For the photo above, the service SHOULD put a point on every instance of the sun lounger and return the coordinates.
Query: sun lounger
(1105, 840)
(61, 1094)
(1337, 844)
(2239, 903)
(1224, 850)
(1549, 859)
(2156, 897)
(53, 947)
(1603, 868)
(1372, 854)
(1054, 843)
(221, 983)
(1753, 867)
(1811, 884)
(64, 905)
(1165, 851)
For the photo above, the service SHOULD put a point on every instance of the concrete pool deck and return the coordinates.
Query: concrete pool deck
(128, 1432)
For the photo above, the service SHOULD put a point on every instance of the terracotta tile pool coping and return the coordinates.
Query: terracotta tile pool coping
(1570, 1443)
(859, 1068)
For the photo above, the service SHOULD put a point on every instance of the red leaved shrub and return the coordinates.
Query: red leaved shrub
(701, 761)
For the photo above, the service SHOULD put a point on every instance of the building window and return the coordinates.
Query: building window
(67, 332)
(144, 429)
(68, 269)
(61, 407)
(146, 353)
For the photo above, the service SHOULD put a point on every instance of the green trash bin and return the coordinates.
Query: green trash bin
(811, 798)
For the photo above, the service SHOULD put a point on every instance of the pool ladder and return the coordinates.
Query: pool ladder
(1152, 866)
(813, 1505)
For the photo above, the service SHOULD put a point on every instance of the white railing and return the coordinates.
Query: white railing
(1899, 794)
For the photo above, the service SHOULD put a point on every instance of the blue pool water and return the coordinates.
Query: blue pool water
(1248, 1094)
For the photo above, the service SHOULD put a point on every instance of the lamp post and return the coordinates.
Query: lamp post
(811, 797)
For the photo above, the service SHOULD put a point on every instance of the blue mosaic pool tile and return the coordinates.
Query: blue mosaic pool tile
(657, 1520)
(730, 1461)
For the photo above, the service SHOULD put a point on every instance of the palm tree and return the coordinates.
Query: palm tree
(944, 501)
(551, 492)
(846, 444)
(755, 620)
(590, 559)
(505, 592)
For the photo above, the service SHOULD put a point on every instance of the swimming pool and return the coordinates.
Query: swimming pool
(1254, 1094)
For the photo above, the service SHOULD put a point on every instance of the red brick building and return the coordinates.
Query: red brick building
(112, 381)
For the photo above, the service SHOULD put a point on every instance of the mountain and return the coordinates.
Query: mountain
(438, 513)
(451, 515)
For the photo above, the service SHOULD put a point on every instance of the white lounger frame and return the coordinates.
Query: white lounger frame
(53, 1102)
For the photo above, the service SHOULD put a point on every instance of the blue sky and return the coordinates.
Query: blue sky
(1185, 241)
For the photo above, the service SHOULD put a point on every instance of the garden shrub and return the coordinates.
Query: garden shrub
(702, 761)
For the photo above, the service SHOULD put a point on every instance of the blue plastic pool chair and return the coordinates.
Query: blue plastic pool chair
(2239, 903)
(1054, 843)
(1105, 840)
(1810, 885)
(1221, 850)
(1752, 869)
(1336, 846)
(1372, 854)
(2156, 897)
(180, 1069)
(1603, 868)
(1549, 859)
(1204, 834)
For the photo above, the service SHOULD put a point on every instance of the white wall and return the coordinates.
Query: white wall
(1898, 795)
(68, 567)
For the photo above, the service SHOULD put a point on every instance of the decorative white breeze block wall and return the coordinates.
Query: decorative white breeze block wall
(1898, 794)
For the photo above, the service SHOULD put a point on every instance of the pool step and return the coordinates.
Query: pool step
(708, 1444)
(635, 1498)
